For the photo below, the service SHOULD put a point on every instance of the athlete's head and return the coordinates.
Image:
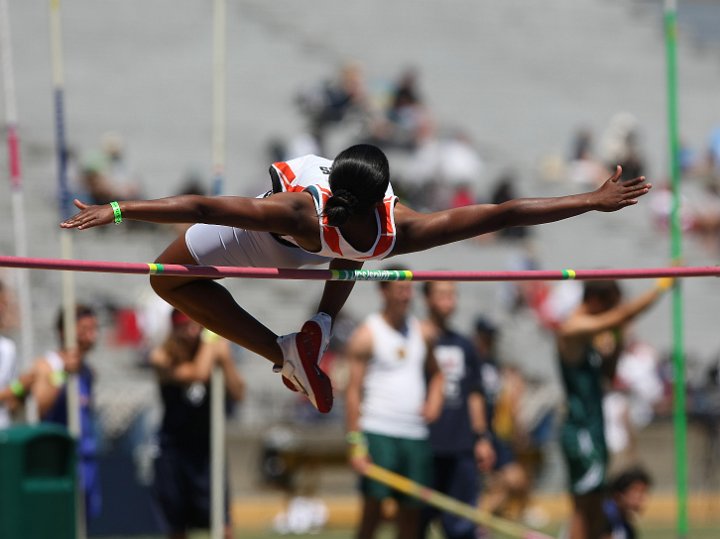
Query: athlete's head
(601, 296)
(359, 178)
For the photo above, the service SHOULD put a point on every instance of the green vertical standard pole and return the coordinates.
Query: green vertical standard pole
(678, 361)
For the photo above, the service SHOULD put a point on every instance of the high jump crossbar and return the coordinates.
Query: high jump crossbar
(450, 505)
(97, 266)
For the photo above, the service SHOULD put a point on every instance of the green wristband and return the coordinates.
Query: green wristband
(17, 388)
(356, 438)
(58, 378)
(116, 211)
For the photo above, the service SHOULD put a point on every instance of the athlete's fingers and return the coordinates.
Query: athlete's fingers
(80, 204)
(634, 181)
(637, 189)
(618, 172)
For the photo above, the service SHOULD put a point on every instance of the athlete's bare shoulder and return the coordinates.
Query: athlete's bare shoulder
(300, 219)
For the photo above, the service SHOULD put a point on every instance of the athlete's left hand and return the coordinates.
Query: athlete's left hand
(615, 194)
(89, 216)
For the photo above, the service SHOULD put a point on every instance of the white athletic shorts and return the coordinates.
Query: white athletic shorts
(217, 245)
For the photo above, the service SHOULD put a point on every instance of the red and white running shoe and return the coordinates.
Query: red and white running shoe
(302, 352)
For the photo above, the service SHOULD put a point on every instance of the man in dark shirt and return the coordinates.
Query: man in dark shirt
(459, 438)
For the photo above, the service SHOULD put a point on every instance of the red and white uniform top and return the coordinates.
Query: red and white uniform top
(311, 173)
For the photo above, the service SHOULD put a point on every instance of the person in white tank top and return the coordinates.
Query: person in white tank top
(394, 390)
(340, 212)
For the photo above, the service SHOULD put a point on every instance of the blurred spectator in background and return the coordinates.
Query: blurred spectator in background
(104, 175)
(123, 179)
(704, 410)
(406, 122)
(95, 183)
(522, 412)
(46, 382)
(629, 404)
(626, 500)
(460, 439)
(713, 154)
(9, 308)
(183, 365)
(8, 366)
(508, 487)
(583, 168)
(328, 105)
(49, 390)
(443, 172)
(395, 389)
(589, 342)
(621, 145)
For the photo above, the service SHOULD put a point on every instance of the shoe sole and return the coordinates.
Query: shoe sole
(308, 343)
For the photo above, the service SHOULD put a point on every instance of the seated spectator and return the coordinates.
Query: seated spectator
(406, 122)
(621, 145)
(330, 104)
(96, 181)
(124, 180)
(583, 168)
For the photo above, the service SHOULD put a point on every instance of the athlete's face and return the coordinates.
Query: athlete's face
(442, 299)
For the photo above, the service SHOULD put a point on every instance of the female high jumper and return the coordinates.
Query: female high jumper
(343, 212)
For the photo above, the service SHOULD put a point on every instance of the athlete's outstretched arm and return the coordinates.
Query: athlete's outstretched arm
(280, 213)
(417, 231)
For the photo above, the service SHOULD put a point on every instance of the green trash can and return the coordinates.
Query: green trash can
(37, 483)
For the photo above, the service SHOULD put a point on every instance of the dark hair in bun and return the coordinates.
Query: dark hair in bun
(359, 178)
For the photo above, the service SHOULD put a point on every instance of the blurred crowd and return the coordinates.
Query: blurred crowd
(438, 165)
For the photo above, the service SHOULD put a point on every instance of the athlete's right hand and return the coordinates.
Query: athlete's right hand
(89, 216)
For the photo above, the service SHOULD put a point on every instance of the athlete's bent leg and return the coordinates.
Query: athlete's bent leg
(211, 305)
